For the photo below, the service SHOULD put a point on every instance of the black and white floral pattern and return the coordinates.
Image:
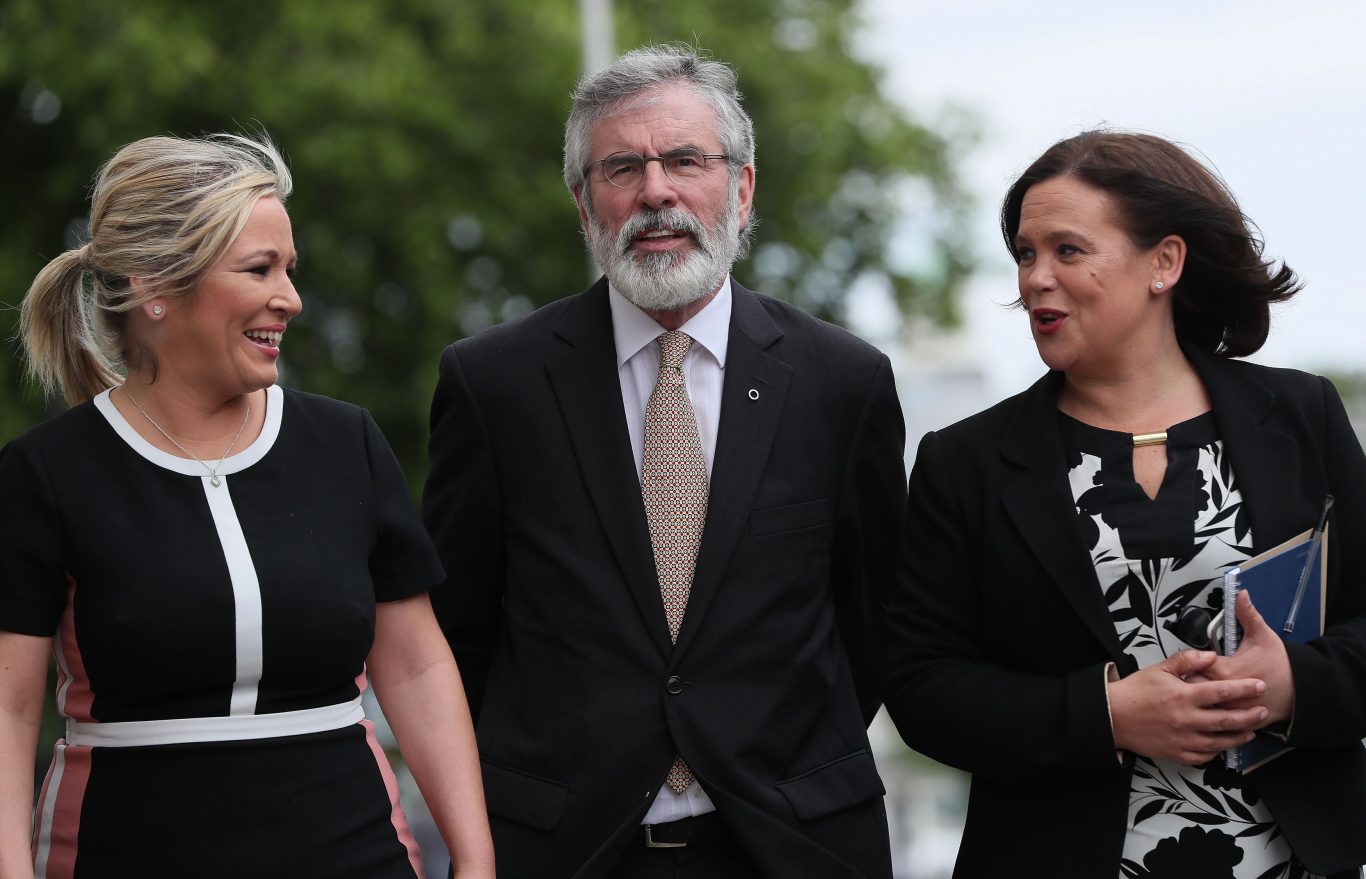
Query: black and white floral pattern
(1152, 558)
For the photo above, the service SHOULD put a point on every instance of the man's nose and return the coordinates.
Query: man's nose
(657, 190)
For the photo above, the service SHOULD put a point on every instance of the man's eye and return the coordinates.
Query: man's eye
(620, 169)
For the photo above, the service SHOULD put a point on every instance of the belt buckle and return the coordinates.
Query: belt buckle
(650, 842)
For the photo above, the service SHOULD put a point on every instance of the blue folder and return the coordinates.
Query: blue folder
(1272, 579)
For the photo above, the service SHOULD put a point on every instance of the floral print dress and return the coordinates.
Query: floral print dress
(1154, 556)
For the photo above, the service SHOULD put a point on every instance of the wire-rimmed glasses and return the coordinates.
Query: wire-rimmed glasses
(626, 169)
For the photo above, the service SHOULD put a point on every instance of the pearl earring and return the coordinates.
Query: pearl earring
(158, 310)
(1159, 285)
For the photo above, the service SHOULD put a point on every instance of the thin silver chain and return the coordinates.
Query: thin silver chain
(213, 471)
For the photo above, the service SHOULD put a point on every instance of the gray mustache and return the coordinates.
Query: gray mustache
(669, 218)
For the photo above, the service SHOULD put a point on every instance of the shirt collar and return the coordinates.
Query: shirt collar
(633, 329)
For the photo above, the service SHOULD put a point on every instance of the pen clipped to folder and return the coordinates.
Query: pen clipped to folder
(1314, 549)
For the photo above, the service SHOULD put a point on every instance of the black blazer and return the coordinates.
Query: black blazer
(553, 608)
(999, 633)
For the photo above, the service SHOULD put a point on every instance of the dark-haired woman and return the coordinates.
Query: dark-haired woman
(1051, 538)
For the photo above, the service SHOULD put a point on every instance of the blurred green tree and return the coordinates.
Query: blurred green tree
(425, 139)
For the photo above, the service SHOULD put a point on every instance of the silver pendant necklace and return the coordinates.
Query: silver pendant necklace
(213, 471)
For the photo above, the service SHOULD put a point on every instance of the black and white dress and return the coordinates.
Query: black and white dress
(211, 642)
(1154, 557)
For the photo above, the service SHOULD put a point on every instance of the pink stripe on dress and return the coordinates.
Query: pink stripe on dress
(396, 816)
(58, 824)
(74, 697)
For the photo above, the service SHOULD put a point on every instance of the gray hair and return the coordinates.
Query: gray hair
(164, 211)
(648, 68)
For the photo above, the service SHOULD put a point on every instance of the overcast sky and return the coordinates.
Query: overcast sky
(1271, 93)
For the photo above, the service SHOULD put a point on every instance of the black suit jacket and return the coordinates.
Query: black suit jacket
(553, 608)
(999, 633)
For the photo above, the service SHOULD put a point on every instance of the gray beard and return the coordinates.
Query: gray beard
(668, 281)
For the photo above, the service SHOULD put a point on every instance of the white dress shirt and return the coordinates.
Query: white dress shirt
(635, 334)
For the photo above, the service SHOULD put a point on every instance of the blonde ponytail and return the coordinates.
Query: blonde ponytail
(164, 210)
(59, 327)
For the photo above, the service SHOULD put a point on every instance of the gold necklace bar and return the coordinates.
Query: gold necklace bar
(1150, 439)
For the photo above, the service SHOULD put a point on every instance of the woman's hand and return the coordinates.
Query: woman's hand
(1157, 713)
(1261, 654)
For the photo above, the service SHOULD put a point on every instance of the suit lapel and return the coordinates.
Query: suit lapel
(752, 396)
(1266, 462)
(1039, 502)
(588, 389)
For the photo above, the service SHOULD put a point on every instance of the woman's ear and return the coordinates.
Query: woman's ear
(1169, 258)
(154, 308)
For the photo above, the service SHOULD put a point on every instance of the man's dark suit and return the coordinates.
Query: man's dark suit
(554, 612)
(1000, 633)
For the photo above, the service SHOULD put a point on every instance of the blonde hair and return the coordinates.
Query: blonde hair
(163, 211)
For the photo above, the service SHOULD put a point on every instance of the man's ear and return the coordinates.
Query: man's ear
(746, 194)
(583, 210)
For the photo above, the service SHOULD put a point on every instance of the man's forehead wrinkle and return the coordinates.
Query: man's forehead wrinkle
(662, 129)
(638, 102)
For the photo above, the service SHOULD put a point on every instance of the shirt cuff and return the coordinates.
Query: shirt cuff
(1112, 675)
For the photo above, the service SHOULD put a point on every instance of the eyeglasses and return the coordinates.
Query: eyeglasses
(626, 170)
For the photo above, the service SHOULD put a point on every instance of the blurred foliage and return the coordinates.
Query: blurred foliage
(425, 140)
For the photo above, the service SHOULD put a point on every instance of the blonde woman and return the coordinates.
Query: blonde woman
(218, 564)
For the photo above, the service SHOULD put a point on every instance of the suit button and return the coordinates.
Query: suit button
(674, 685)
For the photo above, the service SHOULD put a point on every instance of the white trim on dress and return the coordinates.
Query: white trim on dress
(270, 431)
(183, 730)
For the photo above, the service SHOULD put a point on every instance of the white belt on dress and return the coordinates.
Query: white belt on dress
(228, 728)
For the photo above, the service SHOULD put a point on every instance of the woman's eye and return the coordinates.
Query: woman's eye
(1023, 254)
(1067, 250)
(260, 270)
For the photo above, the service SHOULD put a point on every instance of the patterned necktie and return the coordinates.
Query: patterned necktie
(674, 484)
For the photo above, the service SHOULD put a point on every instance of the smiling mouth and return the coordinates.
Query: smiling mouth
(269, 338)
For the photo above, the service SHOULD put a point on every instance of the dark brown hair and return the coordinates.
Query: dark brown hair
(1222, 302)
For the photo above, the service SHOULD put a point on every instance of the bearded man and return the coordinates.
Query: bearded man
(668, 509)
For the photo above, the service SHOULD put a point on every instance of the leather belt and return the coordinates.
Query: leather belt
(697, 830)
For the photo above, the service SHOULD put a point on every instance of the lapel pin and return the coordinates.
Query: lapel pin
(754, 393)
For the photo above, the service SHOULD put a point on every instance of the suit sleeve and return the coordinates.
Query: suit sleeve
(868, 530)
(1330, 672)
(947, 697)
(462, 510)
